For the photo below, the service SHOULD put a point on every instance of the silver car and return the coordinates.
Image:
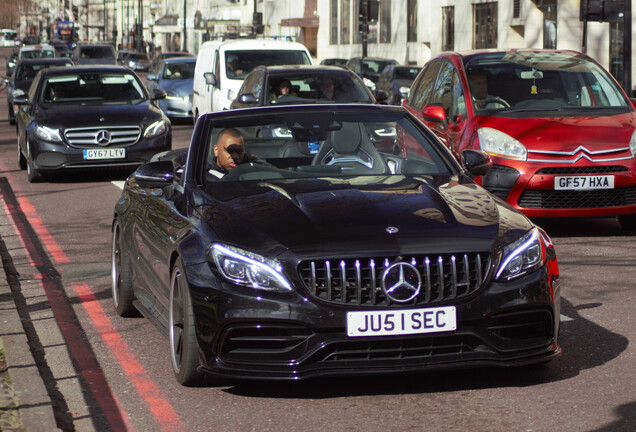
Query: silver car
(175, 76)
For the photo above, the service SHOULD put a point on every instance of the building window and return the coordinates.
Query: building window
(485, 25)
(411, 13)
(345, 21)
(448, 28)
(385, 21)
(549, 9)
(616, 51)
(516, 9)
(333, 33)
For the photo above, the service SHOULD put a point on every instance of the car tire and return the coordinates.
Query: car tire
(184, 349)
(627, 222)
(122, 287)
(22, 162)
(33, 174)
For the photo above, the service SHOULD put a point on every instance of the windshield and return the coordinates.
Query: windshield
(28, 71)
(375, 66)
(107, 87)
(97, 52)
(181, 70)
(317, 87)
(540, 81)
(240, 63)
(45, 53)
(321, 143)
(406, 73)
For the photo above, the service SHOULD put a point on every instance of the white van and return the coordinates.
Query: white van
(216, 84)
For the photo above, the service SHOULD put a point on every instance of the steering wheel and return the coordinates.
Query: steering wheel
(497, 101)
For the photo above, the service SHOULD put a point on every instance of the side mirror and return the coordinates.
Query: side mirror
(159, 94)
(435, 113)
(210, 79)
(247, 98)
(156, 174)
(476, 162)
(21, 100)
(152, 77)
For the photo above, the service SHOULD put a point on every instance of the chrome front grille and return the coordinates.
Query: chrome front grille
(359, 281)
(120, 136)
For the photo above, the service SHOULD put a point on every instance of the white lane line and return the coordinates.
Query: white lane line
(119, 183)
(566, 318)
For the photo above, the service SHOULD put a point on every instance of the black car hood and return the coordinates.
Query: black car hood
(346, 216)
(98, 114)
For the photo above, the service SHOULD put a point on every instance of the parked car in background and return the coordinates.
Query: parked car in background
(89, 53)
(61, 49)
(121, 57)
(353, 244)
(25, 72)
(175, 76)
(36, 51)
(369, 68)
(559, 128)
(304, 84)
(334, 62)
(395, 81)
(137, 61)
(84, 117)
(222, 65)
(12, 60)
(166, 55)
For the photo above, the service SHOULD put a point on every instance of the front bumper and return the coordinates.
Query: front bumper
(253, 335)
(49, 157)
(530, 187)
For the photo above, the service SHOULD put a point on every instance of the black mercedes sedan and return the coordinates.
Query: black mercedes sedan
(350, 242)
(86, 117)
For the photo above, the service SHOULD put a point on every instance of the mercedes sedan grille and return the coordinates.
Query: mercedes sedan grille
(97, 137)
(359, 281)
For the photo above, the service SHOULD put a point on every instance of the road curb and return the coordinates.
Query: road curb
(34, 405)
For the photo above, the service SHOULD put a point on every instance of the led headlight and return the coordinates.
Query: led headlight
(497, 143)
(632, 144)
(522, 256)
(157, 128)
(48, 134)
(249, 269)
(175, 96)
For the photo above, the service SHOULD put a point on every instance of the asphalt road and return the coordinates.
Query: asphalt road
(104, 372)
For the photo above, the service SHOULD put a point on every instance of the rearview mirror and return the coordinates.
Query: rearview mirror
(210, 79)
(533, 74)
(476, 162)
(247, 98)
(159, 94)
(156, 174)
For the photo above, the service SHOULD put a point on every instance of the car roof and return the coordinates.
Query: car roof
(291, 69)
(38, 47)
(46, 60)
(89, 68)
(256, 44)
(188, 59)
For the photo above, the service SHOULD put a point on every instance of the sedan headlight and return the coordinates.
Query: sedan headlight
(497, 143)
(175, 96)
(632, 144)
(157, 128)
(249, 269)
(48, 134)
(522, 256)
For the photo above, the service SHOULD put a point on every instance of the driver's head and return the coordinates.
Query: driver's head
(229, 149)
(479, 85)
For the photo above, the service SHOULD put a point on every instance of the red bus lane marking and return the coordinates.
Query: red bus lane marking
(49, 242)
(163, 412)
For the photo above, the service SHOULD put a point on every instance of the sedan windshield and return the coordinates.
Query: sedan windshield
(322, 143)
(341, 87)
(107, 87)
(540, 81)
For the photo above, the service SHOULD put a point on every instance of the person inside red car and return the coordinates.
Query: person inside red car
(478, 81)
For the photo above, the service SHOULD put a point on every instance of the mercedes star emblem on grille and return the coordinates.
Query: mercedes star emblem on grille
(401, 282)
(103, 137)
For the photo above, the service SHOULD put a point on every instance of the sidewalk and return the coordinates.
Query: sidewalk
(24, 402)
